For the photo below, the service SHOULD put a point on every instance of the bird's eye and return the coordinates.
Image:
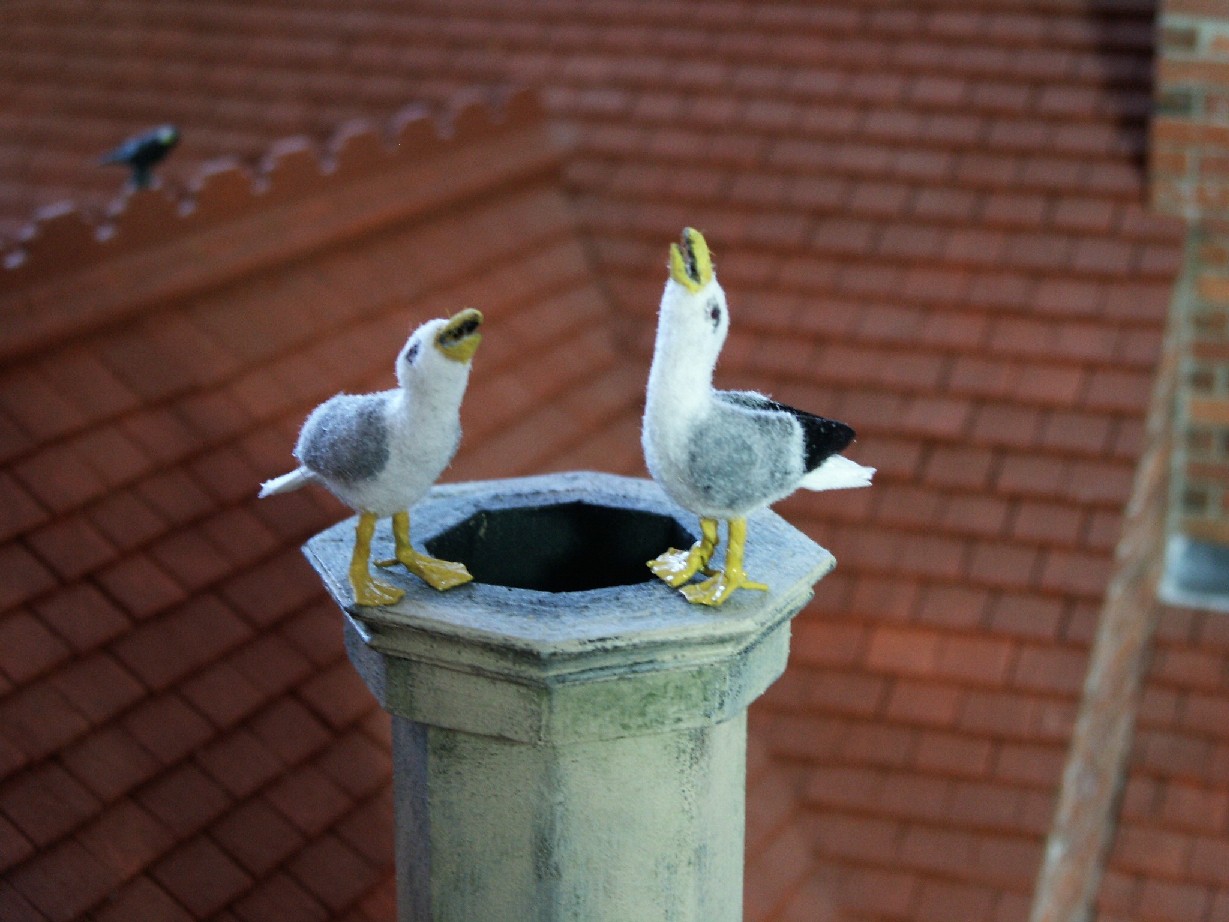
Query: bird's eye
(411, 354)
(714, 313)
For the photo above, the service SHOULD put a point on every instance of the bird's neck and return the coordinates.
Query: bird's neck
(679, 378)
(430, 398)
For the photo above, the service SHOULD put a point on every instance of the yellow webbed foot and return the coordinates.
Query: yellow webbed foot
(719, 587)
(722, 583)
(373, 593)
(436, 573)
(675, 567)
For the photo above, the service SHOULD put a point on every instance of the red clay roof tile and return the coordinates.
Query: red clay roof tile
(190, 560)
(37, 721)
(308, 799)
(140, 586)
(275, 588)
(16, 847)
(240, 762)
(64, 880)
(290, 731)
(369, 828)
(277, 896)
(141, 898)
(27, 648)
(110, 763)
(336, 695)
(271, 663)
(168, 727)
(1168, 900)
(357, 764)
(82, 615)
(72, 547)
(46, 802)
(16, 906)
(174, 496)
(333, 872)
(222, 693)
(97, 686)
(257, 836)
(125, 838)
(184, 799)
(201, 877)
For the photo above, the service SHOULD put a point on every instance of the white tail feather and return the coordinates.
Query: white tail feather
(838, 473)
(299, 477)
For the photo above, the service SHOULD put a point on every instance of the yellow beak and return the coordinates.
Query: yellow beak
(691, 264)
(459, 338)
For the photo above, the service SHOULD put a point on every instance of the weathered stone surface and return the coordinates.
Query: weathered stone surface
(646, 827)
(570, 755)
(447, 658)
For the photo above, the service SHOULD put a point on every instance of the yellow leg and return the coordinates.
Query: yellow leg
(368, 591)
(721, 585)
(438, 574)
(675, 567)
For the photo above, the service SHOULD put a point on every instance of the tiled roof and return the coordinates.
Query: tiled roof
(180, 731)
(931, 223)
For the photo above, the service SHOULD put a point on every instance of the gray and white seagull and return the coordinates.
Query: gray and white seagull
(379, 453)
(723, 454)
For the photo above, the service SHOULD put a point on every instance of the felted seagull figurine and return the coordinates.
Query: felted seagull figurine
(379, 453)
(723, 454)
(143, 152)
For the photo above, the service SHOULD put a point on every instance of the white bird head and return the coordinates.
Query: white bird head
(694, 316)
(439, 353)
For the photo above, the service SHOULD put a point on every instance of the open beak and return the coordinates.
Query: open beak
(691, 264)
(459, 338)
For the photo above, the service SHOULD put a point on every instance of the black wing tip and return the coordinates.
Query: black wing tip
(824, 438)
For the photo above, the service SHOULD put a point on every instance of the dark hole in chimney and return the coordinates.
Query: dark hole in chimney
(567, 547)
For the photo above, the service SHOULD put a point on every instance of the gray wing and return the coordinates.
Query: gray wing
(345, 439)
(744, 452)
(822, 437)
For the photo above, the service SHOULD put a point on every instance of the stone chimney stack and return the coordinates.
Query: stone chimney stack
(569, 735)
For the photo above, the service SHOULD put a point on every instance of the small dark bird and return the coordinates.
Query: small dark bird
(142, 152)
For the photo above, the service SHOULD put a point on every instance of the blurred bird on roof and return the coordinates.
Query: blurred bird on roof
(143, 152)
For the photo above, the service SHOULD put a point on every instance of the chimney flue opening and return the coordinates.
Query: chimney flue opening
(564, 547)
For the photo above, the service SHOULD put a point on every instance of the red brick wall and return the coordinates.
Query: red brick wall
(1190, 131)
(1190, 177)
(1201, 494)
(1170, 857)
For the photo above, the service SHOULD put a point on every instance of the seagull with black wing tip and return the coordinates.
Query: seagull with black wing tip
(723, 454)
(380, 453)
(143, 152)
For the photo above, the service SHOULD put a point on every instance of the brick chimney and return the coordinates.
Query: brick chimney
(1190, 177)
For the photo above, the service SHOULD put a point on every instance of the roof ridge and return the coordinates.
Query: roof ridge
(67, 232)
(78, 271)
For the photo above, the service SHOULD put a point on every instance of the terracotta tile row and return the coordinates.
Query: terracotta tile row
(211, 703)
(226, 189)
(570, 40)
